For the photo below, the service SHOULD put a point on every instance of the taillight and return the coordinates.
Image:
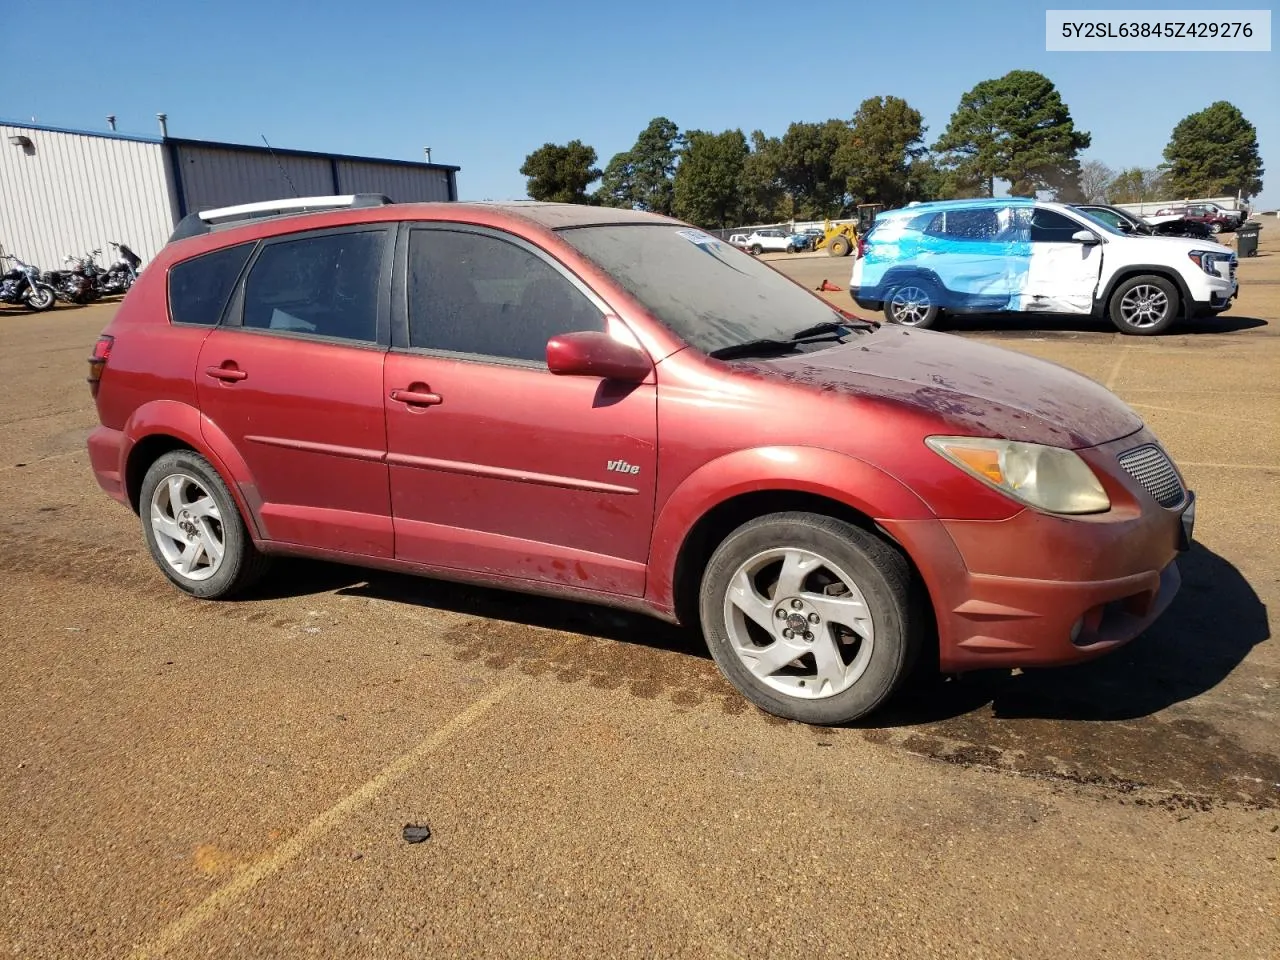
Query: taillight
(98, 362)
(862, 248)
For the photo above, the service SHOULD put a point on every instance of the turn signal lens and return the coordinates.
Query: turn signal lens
(1048, 478)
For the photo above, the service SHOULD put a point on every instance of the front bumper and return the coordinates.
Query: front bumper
(1042, 590)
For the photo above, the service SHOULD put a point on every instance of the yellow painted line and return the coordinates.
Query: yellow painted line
(1201, 413)
(277, 859)
(1115, 368)
(1230, 466)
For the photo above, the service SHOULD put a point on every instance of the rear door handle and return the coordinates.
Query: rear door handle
(228, 372)
(417, 398)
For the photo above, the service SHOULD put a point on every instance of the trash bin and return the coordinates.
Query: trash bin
(1247, 238)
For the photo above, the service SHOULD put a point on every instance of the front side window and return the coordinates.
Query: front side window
(323, 286)
(1048, 226)
(199, 287)
(473, 293)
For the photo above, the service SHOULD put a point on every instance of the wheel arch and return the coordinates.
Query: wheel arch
(1102, 304)
(725, 493)
(162, 426)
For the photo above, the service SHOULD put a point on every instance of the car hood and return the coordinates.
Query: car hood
(977, 389)
(1175, 246)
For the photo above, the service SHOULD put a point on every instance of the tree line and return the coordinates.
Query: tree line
(1015, 129)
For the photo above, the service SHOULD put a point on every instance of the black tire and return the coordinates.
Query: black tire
(1117, 308)
(757, 249)
(913, 303)
(879, 571)
(1215, 228)
(241, 565)
(839, 247)
(42, 298)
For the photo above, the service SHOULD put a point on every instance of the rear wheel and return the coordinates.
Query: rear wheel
(194, 530)
(809, 617)
(1144, 305)
(913, 304)
(1215, 228)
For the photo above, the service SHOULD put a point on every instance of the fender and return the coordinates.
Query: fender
(184, 422)
(848, 480)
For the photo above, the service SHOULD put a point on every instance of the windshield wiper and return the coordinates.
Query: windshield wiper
(818, 333)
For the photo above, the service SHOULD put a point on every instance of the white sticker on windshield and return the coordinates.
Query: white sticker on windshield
(700, 239)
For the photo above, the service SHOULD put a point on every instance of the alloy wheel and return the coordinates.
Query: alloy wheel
(799, 623)
(1144, 306)
(910, 305)
(187, 525)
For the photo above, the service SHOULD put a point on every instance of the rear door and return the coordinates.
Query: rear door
(497, 465)
(293, 377)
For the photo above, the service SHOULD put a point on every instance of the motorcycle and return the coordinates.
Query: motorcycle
(119, 277)
(73, 285)
(22, 285)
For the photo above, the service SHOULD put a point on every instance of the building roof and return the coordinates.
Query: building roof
(218, 145)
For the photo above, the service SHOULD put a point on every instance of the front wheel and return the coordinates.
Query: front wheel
(1144, 305)
(41, 298)
(809, 617)
(194, 530)
(839, 247)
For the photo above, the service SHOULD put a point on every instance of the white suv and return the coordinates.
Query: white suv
(1019, 255)
(777, 241)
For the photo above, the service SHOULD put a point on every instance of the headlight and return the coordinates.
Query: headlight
(1208, 260)
(1050, 478)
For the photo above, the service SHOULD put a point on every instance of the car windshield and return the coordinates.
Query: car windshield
(1096, 218)
(711, 294)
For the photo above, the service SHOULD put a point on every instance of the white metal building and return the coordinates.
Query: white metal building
(70, 191)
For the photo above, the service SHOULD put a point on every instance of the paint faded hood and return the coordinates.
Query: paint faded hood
(977, 389)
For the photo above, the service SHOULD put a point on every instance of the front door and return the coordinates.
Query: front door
(1063, 273)
(294, 380)
(497, 465)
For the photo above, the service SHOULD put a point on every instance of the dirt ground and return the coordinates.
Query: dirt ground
(191, 779)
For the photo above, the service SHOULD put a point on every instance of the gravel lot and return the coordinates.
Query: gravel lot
(190, 779)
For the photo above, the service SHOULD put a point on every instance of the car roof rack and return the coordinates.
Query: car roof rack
(206, 221)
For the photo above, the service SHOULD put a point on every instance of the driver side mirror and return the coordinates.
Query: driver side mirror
(1085, 237)
(589, 353)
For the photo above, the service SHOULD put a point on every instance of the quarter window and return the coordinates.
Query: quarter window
(199, 288)
(323, 286)
(477, 294)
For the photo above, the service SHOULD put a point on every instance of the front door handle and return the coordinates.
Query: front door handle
(228, 372)
(417, 395)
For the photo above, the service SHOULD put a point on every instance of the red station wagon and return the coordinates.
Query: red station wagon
(617, 407)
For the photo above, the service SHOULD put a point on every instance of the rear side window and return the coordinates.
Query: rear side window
(979, 224)
(199, 288)
(322, 286)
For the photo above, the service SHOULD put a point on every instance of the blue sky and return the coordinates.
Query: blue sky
(485, 83)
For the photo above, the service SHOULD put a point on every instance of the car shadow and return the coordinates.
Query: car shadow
(1208, 630)
(1213, 623)
(303, 577)
(1022, 325)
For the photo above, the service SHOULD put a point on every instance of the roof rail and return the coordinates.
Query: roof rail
(206, 221)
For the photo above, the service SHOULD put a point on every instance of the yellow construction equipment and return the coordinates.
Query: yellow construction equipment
(840, 239)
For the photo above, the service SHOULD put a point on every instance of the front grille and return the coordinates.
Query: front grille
(1152, 468)
(1233, 264)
